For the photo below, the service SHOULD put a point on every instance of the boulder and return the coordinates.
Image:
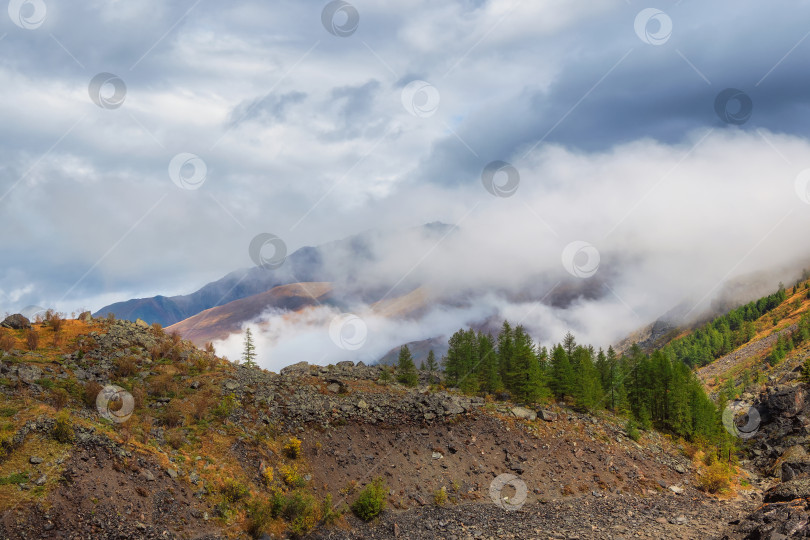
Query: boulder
(86, 316)
(345, 364)
(787, 491)
(29, 374)
(545, 414)
(526, 414)
(786, 401)
(301, 368)
(16, 322)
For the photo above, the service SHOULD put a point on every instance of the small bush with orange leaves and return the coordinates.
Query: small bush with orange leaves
(32, 339)
(91, 390)
(715, 478)
(7, 342)
(126, 366)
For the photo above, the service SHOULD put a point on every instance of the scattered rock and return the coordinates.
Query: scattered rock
(34, 460)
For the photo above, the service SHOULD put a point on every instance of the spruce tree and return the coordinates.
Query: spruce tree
(249, 353)
(406, 369)
(562, 376)
(489, 377)
(505, 354)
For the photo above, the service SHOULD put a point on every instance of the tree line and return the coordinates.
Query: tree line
(654, 390)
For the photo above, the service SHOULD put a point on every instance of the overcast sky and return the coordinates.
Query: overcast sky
(313, 121)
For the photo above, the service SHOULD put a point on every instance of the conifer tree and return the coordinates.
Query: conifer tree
(249, 352)
(406, 369)
(489, 377)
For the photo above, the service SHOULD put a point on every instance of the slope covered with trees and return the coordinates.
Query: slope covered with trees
(654, 390)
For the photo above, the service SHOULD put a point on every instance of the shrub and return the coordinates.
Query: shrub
(371, 501)
(157, 329)
(56, 322)
(234, 491)
(292, 477)
(6, 340)
(267, 475)
(259, 517)
(126, 367)
(62, 428)
(59, 397)
(440, 496)
(301, 512)
(201, 405)
(329, 514)
(32, 339)
(225, 407)
(292, 449)
(91, 390)
(162, 386)
(175, 439)
(632, 431)
(716, 478)
(172, 416)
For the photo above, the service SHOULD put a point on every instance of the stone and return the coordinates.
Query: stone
(41, 480)
(148, 475)
(437, 455)
(676, 489)
(524, 413)
(231, 385)
(16, 322)
(86, 316)
(345, 364)
(787, 491)
(28, 373)
(172, 473)
(142, 323)
(786, 401)
(34, 460)
(301, 368)
(547, 415)
(334, 388)
(362, 404)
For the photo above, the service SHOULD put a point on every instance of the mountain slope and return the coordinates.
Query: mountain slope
(221, 321)
(342, 263)
(212, 450)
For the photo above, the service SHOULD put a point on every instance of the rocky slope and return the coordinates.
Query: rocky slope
(208, 441)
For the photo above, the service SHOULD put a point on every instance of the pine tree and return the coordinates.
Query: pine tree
(249, 353)
(406, 369)
(505, 354)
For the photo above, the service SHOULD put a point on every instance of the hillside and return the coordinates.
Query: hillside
(221, 321)
(209, 449)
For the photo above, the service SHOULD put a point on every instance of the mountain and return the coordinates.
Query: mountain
(344, 263)
(219, 322)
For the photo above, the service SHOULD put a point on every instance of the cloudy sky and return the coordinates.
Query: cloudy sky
(144, 144)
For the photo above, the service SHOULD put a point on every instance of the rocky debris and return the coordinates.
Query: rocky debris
(779, 448)
(16, 322)
(663, 515)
